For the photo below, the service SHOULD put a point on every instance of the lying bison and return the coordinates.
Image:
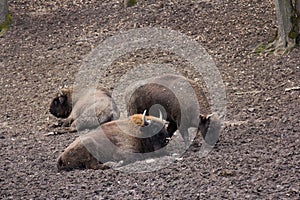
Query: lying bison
(121, 140)
(184, 102)
(83, 108)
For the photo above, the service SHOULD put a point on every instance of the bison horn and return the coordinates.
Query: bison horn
(145, 121)
(59, 92)
(160, 115)
(209, 116)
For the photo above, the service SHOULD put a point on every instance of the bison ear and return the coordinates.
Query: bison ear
(203, 118)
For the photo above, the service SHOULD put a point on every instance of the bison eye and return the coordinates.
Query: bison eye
(55, 102)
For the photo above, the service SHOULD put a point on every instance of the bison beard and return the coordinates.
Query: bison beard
(121, 140)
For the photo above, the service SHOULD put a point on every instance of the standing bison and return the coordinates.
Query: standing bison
(84, 108)
(125, 140)
(184, 102)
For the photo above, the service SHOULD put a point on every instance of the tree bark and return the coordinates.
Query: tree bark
(288, 15)
(298, 7)
(286, 38)
(3, 10)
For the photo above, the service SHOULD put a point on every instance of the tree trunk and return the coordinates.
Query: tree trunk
(298, 7)
(287, 34)
(288, 28)
(3, 10)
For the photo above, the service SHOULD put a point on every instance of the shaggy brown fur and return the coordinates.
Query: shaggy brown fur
(173, 93)
(120, 140)
(84, 109)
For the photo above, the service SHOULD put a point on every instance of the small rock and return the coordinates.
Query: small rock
(50, 133)
(179, 159)
(151, 160)
(227, 172)
(251, 109)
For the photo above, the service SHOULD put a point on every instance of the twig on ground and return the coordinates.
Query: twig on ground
(54, 133)
(292, 88)
(280, 85)
(249, 92)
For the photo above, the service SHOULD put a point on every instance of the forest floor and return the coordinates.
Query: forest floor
(258, 155)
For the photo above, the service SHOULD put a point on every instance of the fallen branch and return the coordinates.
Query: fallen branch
(54, 133)
(249, 92)
(60, 132)
(292, 88)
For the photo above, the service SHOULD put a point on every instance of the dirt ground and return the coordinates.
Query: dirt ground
(258, 154)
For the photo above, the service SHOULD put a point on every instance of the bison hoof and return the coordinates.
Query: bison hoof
(58, 124)
(111, 164)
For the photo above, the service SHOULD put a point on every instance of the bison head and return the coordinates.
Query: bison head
(153, 132)
(210, 128)
(61, 105)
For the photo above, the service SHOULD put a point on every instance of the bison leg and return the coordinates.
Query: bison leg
(58, 124)
(172, 127)
(68, 122)
(112, 164)
(94, 164)
(82, 123)
(185, 135)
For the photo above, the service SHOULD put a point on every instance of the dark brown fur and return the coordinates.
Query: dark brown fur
(121, 140)
(86, 109)
(181, 114)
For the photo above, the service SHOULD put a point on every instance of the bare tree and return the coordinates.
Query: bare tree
(288, 15)
(298, 7)
(3, 10)
(5, 19)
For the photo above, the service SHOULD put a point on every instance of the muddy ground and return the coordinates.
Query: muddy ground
(258, 154)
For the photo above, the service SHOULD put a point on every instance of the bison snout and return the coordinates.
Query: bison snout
(52, 111)
(59, 164)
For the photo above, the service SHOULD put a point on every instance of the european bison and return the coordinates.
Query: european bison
(84, 108)
(184, 102)
(121, 140)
